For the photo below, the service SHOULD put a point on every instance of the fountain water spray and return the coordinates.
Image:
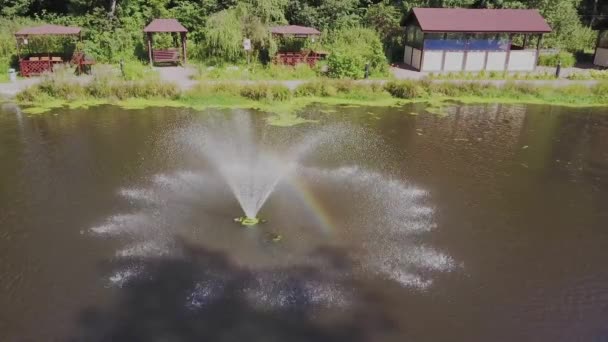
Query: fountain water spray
(251, 171)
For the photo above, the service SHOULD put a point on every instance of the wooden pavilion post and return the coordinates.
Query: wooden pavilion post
(538, 43)
(18, 48)
(184, 48)
(149, 34)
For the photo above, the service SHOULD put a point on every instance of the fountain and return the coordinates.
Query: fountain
(251, 170)
(317, 214)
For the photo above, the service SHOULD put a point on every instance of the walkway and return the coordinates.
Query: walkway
(181, 76)
(10, 90)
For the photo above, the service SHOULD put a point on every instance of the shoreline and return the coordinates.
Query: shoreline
(284, 103)
(287, 113)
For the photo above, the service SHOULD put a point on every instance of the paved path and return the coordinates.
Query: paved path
(9, 90)
(181, 76)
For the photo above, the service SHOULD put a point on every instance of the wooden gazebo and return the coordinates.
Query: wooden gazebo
(36, 64)
(296, 57)
(171, 55)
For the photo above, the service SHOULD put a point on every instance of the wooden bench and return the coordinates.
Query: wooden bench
(165, 56)
(82, 63)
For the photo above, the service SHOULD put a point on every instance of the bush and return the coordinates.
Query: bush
(407, 89)
(62, 84)
(316, 88)
(601, 90)
(352, 48)
(345, 65)
(567, 59)
(264, 91)
(599, 74)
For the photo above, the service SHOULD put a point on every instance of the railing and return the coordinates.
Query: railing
(34, 68)
(294, 58)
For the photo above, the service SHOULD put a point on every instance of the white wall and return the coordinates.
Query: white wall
(432, 61)
(601, 57)
(453, 61)
(496, 61)
(416, 59)
(475, 61)
(522, 60)
(407, 56)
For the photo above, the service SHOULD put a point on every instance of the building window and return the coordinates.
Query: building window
(488, 42)
(603, 43)
(433, 41)
(418, 38)
(409, 35)
(455, 41)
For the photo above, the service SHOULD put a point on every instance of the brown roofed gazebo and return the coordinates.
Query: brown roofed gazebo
(459, 39)
(46, 30)
(166, 55)
(36, 64)
(295, 31)
(296, 57)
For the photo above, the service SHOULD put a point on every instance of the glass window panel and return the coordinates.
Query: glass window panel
(409, 35)
(433, 41)
(455, 41)
(418, 38)
(488, 42)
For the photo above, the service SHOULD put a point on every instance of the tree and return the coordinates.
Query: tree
(12, 8)
(385, 19)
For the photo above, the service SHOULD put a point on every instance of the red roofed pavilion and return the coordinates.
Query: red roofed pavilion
(459, 39)
(33, 63)
(290, 57)
(49, 30)
(294, 30)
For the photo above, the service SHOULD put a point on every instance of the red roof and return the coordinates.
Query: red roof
(295, 30)
(165, 25)
(479, 20)
(49, 30)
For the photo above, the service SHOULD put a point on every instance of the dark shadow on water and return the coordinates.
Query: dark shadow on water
(156, 305)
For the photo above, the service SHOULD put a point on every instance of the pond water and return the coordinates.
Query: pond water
(487, 223)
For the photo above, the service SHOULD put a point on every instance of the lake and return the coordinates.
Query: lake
(482, 223)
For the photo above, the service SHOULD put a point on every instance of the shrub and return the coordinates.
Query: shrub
(601, 90)
(599, 74)
(343, 65)
(351, 48)
(264, 91)
(520, 89)
(567, 59)
(407, 89)
(106, 84)
(316, 88)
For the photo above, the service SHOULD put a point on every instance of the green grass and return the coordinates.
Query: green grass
(491, 75)
(257, 72)
(573, 95)
(590, 75)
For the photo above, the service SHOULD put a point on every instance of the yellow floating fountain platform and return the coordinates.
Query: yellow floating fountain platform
(248, 221)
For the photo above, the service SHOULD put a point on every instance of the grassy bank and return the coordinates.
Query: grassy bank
(57, 91)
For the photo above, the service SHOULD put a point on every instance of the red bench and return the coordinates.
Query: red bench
(165, 56)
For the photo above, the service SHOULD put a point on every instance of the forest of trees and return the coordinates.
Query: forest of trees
(217, 27)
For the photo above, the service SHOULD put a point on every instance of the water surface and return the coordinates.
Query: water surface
(111, 231)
